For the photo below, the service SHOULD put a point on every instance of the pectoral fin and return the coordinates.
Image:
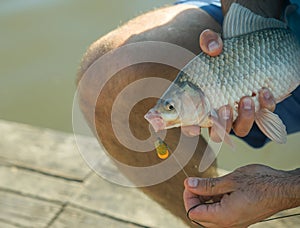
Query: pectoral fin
(271, 125)
(289, 10)
(283, 98)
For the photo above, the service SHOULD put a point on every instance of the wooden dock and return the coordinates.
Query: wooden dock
(44, 182)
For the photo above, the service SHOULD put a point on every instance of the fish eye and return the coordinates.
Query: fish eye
(169, 105)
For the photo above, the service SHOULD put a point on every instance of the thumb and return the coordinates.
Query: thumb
(209, 186)
(211, 42)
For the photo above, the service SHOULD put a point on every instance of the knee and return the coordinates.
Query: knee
(180, 25)
(95, 51)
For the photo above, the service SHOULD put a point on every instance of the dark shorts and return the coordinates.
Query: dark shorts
(288, 110)
(212, 7)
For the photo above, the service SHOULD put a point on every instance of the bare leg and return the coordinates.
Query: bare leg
(179, 25)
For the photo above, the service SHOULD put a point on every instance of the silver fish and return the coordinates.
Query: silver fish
(258, 52)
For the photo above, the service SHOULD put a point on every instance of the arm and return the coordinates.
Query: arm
(259, 189)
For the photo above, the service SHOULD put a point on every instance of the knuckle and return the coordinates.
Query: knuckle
(209, 184)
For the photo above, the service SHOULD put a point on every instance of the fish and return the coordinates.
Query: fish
(258, 53)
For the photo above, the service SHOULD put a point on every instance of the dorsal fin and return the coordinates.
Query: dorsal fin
(289, 10)
(240, 20)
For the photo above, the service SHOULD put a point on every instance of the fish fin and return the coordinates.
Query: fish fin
(289, 92)
(289, 10)
(283, 98)
(240, 20)
(220, 128)
(271, 125)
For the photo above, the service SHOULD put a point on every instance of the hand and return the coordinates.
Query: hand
(212, 44)
(241, 198)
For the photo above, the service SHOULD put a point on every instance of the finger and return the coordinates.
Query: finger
(190, 199)
(225, 114)
(191, 131)
(196, 208)
(211, 43)
(214, 136)
(206, 214)
(246, 113)
(209, 186)
(266, 99)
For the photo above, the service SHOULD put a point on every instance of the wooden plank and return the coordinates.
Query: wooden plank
(125, 203)
(54, 153)
(132, 205)
(37, 185)
(26, 211)
(74, 217)
(7, 225)
(42, 149)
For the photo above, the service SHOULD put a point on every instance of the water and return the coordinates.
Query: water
(41, 43)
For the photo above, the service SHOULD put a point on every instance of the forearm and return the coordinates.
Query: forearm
(294, 187)
(286, 187)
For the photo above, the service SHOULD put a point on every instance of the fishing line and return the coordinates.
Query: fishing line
(163, 152)
(265, 220)
(181, 167)
(280, 217)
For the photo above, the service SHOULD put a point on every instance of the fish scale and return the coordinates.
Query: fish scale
(274, 65)
(265, 54)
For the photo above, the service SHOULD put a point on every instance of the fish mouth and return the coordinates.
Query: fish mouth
(156, 121)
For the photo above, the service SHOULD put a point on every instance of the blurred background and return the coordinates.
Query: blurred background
(41, 44)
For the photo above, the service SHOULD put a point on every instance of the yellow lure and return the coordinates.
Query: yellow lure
(162, 149)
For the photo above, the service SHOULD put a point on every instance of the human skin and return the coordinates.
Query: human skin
(243, 197)
(212, 44)
(180, 25)
(248, 194)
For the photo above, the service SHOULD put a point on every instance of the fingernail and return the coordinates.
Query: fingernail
(213, 45)
(247, 103)
(193, 182)
(266, 94)
(225, 114)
